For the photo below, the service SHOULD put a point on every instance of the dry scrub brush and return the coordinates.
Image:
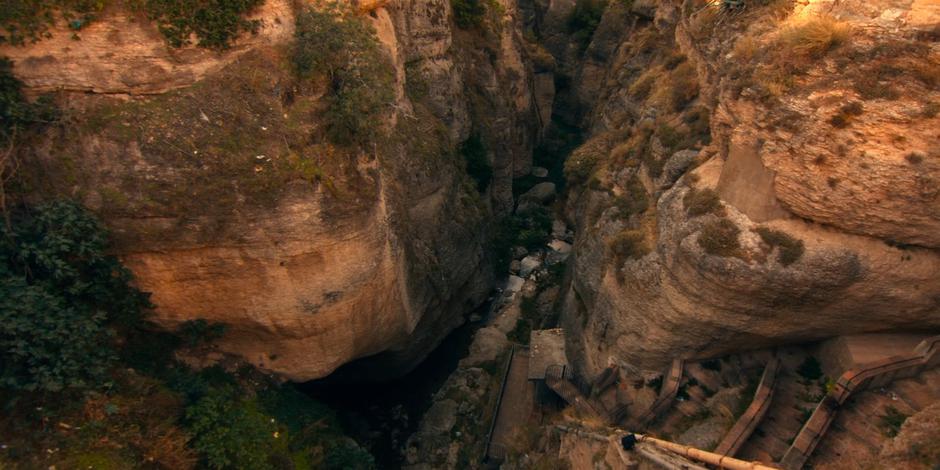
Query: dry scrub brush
(815, 36)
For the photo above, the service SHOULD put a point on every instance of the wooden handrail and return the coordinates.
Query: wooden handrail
(721, 461)
(925, 355)
(747, 423)
(666, 395)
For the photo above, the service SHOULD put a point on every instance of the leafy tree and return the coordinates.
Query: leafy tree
(60, 299)
(584, 19)
(468, 13)
(331, 40)
(229, 433)
(347, 456)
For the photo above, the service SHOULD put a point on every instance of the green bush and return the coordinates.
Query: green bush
(15, 111)
(478, 167)
(468, 13)
(810, 369)
(701, 202)
(533, 228)
(333, 41)
(228, 432)
(791, 249)
(29, 20)
(892, 421)
(584, 19)
(347, 456)
(196, 332)
(720, 238)
(60, 298)
(216, 23)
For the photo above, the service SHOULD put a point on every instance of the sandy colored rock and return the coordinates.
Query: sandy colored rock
(378, 255)
(863, 208)
(120, 54)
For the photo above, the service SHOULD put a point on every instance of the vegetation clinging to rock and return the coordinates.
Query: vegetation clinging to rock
(815, 36)
(332, 41)
(15, 111)
(216, 23)
(584, 19)
(478, 167)
(29, 20)
(60, 298)
(702, 201)
(468, 13)
(70, 324)
(791, 249)
(629, 244)
(634, 200)
(580, 165)
(720, 238)
(846, 113)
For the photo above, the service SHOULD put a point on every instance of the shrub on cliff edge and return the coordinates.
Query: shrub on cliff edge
(720, 238)
(215, 23)
(331, 40)
(700, 202)
(22, 21)
(468, 13)
(584, 19)
(815, 36)
(791, 249)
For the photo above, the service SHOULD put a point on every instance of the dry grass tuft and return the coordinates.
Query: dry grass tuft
(720, 238)
(702, 201)
(815, 36)
(846, 114)
(629, 244)
(791, 249)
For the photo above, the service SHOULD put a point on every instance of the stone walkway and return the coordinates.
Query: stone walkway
(516, 406)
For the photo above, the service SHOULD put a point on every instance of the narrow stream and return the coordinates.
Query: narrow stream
(382, 415)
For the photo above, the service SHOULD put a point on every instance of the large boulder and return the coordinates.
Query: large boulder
(540, 194)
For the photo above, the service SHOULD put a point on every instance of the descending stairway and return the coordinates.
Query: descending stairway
(873, 375)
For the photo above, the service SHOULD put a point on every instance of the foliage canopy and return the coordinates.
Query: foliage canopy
(61, 297)
(214, 22)
(331, 40)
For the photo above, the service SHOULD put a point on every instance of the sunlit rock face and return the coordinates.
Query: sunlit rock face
(312, 255)
(859, 192)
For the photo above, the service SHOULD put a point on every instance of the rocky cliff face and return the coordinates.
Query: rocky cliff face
(729, 197)
(227, 209)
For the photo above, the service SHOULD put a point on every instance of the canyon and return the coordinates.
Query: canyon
(718, 189)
